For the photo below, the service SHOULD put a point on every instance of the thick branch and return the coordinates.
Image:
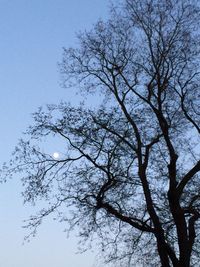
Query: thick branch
(136, 223)
(188, 177)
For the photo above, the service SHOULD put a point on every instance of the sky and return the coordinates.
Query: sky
(32, 34)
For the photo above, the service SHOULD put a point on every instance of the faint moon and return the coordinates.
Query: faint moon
(56, 155)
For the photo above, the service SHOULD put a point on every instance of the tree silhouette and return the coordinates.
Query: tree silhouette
(130, 171)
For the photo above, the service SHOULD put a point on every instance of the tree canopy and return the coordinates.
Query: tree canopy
(129, 173)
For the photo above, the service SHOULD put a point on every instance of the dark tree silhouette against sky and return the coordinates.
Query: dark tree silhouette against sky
(129, 167)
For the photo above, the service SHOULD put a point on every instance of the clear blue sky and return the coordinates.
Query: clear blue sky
(32, 34)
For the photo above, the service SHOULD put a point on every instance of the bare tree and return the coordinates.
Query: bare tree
(130, 172)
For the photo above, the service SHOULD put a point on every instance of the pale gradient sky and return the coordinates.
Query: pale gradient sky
(32, 34)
